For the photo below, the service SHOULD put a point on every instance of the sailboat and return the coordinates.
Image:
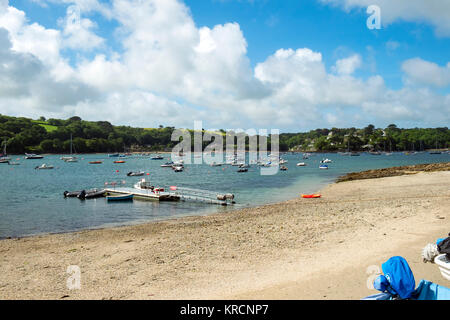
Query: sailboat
(71, 158)
(390, 149)
(437, 150)
(4, 157)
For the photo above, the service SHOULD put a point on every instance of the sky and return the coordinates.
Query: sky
(292, 65)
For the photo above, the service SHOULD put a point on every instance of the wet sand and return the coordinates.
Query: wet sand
(298, 249)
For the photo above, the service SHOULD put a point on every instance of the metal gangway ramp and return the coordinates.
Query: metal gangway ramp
(198, 195)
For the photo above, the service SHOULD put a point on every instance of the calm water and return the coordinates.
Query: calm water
(32, 202)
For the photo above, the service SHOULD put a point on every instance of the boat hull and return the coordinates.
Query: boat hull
(127, 197)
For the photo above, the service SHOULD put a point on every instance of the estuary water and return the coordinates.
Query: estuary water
(32, 202)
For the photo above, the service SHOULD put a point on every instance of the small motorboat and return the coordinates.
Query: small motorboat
(92, 194)
(126, 197)
(121, 161)
(178, 169)
(44, 167)
(311, 196)
(323, 167)
(114, 155)
(167, 165)
(283, 168)
(32, 156)
(243, 170)
(73, 194)
(95, 162)
(301, 164)
(157, 158)
(326, 161)
(136, 174)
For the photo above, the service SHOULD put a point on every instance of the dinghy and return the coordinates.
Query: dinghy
(136, 174)
(126, 197)
(311, 196)
(44, 167)
(91, 194)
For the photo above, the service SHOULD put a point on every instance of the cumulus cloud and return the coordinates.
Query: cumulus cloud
(422, 72)
(77, 31)
(348, 65)
(173, 72)
(434, 12)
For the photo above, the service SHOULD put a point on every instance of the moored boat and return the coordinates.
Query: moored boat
(167, 165)
(126, 197)
(32, 156)
(323, 167)
(92, 194)
(44, 167)
(136, 174)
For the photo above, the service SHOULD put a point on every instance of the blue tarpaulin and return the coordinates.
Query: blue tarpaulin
(430, 291)
(398, 283)
(400, 277)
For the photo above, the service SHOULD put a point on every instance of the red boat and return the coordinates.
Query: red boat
(96, 162)
(119, 161)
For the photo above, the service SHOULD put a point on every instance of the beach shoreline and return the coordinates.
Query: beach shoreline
(239, 254)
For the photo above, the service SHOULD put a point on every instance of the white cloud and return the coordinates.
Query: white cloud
(173, 72)
(422, 72)
(77, 31)
(348, 65)
(434, 12)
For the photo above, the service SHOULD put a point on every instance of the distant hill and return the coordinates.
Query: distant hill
(53, 136)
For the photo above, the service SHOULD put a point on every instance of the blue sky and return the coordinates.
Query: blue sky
(327, 27)
(272, 24)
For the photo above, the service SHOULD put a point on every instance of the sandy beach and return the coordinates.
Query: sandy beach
(299, 249)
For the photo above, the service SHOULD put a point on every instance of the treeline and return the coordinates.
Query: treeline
(369, 138)
(23, 135)
(54, 136)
